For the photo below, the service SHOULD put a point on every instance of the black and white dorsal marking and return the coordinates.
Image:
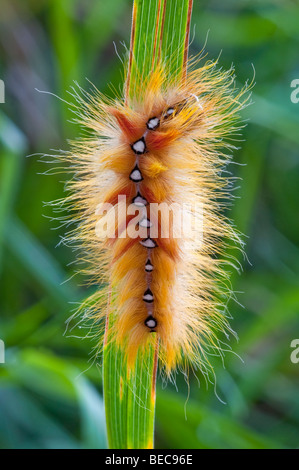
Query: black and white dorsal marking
(151, 323)
(146, 223)
(153, 123)
(169, 112)
(148, 296)
(148, 243)
(139, 147)
(139, 200)
(148, 266)
(136, 175)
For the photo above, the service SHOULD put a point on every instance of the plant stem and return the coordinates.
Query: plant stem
(160, 31)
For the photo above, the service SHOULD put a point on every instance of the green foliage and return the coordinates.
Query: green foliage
(153, 17)
(129, 404)
(50, 390)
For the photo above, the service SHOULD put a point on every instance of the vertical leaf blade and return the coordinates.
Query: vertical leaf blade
(160, 31)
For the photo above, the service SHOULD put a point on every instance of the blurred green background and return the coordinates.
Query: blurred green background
(50, 390)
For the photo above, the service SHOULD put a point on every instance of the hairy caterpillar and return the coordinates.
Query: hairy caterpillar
(166, 144)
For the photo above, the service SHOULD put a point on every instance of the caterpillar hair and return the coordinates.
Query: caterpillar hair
(166, 145)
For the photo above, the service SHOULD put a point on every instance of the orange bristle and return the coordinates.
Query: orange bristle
(164, 145)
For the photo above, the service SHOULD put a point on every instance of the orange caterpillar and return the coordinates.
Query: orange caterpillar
(165, 144)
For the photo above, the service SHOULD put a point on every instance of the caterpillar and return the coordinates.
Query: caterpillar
(167, 144)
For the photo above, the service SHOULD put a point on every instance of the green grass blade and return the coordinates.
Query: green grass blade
(129, 399)
(160, 30)
(38, 262)
(14, 145)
